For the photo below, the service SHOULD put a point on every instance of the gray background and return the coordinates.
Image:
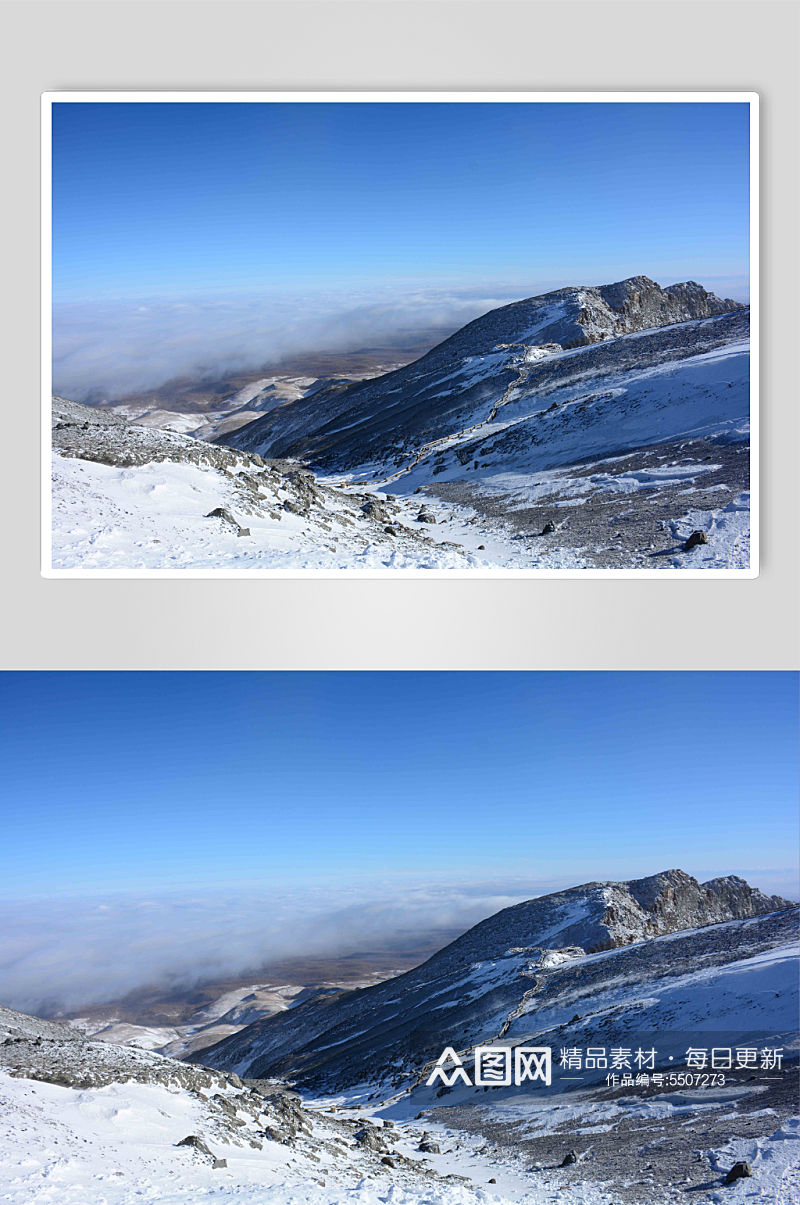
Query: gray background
(369, 44)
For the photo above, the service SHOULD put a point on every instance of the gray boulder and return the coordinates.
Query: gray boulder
(697, 537)
(739, 1171)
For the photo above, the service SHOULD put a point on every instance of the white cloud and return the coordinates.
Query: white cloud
(67, 953)
(102, 350)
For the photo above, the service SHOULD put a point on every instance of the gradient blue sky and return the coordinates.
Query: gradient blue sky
(171, 198)
(198, 239)
(156, 781)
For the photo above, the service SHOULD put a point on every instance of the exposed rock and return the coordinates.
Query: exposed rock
(197, 1143)
(425, 516)
(428, 1146)
(221, 512)
(371, 1138)
(548, 528)
(569, 1158)
(739, 1171)
(697, 537)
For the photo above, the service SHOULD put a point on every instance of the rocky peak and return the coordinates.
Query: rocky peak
(602, 915)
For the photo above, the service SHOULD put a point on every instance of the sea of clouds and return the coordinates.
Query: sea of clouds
(63, 954)
(105, 349)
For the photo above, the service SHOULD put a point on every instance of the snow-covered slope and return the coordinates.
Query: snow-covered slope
(515, 353)
(129, 497)
(83, 1123)
(470, 991)
(228, 1014)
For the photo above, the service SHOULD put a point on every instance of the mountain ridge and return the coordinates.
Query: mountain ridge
(483, 977)
(534, 328)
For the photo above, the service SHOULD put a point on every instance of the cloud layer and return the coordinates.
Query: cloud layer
(65, 954)
(105, 349)
(102, 351)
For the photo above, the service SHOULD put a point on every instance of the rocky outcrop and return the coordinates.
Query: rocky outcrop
(89, 433)
(234, 1112)
(600, 916)
(246, 484)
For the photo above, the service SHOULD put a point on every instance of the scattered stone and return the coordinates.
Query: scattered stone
(492, 1181)
(697, 537)
(220, 512)
(425, 516)
(738, 1172)
(389, 1162)
(390, 531)
(370, 1139)
(481, 548)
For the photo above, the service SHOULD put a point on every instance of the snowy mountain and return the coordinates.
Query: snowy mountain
(228, 1013)
(589, 428)
(515, 353)
(84, 1122)
(542, 959)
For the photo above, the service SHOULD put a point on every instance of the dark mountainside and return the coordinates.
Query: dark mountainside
(485, 977)
(438, 394)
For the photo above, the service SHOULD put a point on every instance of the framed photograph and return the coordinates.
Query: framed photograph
(416, 334)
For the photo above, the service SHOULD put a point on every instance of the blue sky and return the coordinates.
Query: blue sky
(170, 198)
(154, 781)
(211, 237)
